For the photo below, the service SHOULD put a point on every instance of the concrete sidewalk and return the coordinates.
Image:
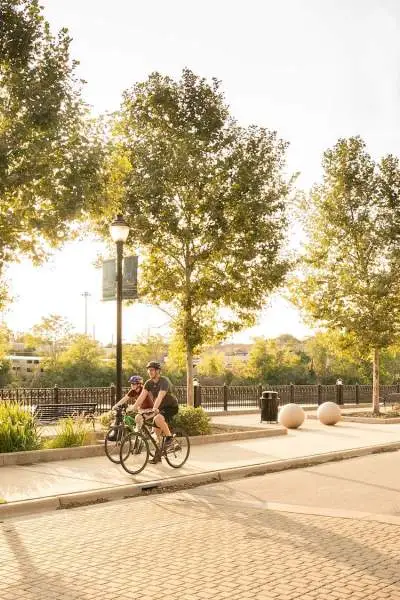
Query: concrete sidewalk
(43, 480)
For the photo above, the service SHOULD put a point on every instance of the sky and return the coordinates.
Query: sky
(313, 70)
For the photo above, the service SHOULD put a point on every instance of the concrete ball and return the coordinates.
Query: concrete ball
(291, 416)
(329, 413)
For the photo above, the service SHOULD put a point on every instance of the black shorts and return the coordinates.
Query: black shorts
(168, 412)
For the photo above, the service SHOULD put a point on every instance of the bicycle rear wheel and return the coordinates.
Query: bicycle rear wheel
(112, 442)
(134, 453)
(177, 454)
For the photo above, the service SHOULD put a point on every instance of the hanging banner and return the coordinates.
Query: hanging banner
(129, 278)
(110, 279)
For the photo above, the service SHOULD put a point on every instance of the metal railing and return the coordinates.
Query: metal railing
(213, 398)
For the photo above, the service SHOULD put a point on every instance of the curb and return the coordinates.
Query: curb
(64, 501)
(246, 434)
(365, 420)
(8, 459)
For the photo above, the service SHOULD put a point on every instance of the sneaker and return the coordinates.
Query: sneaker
(170, 445)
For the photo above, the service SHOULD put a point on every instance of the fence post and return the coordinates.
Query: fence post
(292, 393)
(357, 394)
(319, 393)
(55, 394)
(259, 394)
(225, 397)
(339, 393)
(112, 394)
(197, 395)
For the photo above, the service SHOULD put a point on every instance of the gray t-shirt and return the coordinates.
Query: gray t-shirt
(165, 385)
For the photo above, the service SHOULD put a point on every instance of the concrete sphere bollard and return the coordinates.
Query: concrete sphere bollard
(291, 416)
(329, 413)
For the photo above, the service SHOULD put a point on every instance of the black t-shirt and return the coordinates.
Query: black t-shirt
(165, 385)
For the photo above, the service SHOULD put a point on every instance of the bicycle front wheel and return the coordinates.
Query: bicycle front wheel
(134, 453)
(112, 442)
(178, 452)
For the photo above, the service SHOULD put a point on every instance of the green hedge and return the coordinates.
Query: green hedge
(192, 421)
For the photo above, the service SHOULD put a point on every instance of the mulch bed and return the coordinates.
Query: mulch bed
(224, 429)
(382, 415)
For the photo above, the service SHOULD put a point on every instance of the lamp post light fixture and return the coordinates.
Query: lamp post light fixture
(119, 231)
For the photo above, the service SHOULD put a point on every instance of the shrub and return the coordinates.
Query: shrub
(72, 431)
(106, 419)
(19, 429)
(193, 421)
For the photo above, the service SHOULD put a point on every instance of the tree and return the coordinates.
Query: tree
(336, 355)
(84, 350)
(211, 364)
(82, 364)
(175, 363)
(136, 356)
(350, 280)
(49, 152)
(273, 361)
(207, 201)
(53, 332)
(5, 365)
(390, 365)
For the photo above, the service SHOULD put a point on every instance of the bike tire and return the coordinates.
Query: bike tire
(180, 451)
(112, 444)
(134, 453)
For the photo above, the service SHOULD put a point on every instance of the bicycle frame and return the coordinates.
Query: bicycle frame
(146, 428)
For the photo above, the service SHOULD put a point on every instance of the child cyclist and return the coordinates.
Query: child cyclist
(130, 398)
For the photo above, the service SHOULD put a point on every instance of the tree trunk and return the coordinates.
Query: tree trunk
(375, 382)
(189, 377)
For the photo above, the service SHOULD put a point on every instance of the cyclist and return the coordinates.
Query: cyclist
(165, 406)
(136, 388)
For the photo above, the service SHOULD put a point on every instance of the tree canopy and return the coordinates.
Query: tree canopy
(50, 155)
(351, 262)
(81, 364)
(206, 199)
(53, 332)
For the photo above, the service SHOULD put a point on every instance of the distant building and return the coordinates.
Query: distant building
(22, 365)
(231, 352)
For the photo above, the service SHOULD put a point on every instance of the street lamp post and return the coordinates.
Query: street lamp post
(119, 232)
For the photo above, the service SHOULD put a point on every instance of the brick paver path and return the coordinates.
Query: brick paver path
(187, 547)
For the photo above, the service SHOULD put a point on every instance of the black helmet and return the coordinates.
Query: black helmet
(153, 364)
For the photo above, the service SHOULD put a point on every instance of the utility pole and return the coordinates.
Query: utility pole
(86, 296)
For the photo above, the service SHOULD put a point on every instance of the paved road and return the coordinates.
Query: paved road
(219, 541)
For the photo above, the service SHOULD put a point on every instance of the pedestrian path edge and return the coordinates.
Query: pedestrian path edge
(65, 501)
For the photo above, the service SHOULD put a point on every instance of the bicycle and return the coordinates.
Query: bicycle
(116, 433)
(135, 449)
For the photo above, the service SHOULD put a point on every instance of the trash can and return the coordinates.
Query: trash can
(269, 406)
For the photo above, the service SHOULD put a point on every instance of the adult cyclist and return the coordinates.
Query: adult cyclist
(165, 406)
